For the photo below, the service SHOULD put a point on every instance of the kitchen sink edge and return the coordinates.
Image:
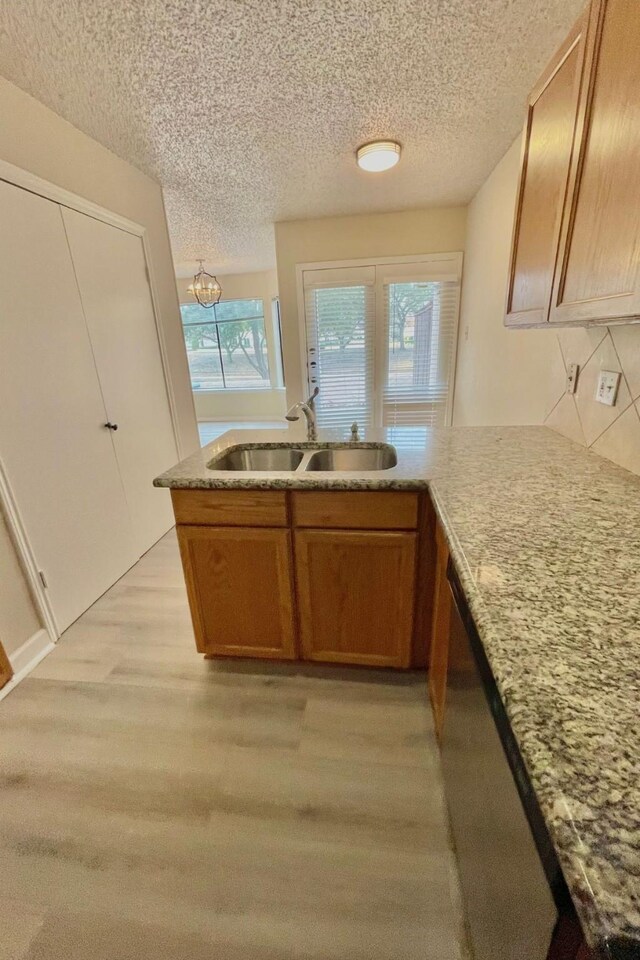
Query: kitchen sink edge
(290, 458)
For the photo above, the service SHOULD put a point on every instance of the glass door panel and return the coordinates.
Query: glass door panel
(420, 327)
(340, 343)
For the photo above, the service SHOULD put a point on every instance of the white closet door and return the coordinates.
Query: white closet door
(56, 452)
(111, 273)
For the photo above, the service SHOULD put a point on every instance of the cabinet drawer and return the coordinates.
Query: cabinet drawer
(230, 508)
(353, 510)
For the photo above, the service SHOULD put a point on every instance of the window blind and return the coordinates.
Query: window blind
(340, 335)
(421, 324)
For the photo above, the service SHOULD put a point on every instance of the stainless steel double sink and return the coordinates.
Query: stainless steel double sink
(291, 458)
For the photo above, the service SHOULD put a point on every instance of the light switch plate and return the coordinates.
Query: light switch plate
(607, 389)
(572, 377)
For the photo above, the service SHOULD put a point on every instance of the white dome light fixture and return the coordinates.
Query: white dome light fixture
(378, 155)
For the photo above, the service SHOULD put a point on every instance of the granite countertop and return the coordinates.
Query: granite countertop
(545, 537)
(416, 459)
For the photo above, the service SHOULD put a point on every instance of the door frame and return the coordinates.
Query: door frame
(31, 183)
(455, 258)
(25, 553)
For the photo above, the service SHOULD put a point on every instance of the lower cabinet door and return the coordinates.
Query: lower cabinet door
(240, 587)
(356, 596)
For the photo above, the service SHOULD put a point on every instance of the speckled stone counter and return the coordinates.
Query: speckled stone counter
(546, 540)
(416, 459)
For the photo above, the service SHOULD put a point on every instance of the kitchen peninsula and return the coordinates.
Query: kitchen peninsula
(545, 541)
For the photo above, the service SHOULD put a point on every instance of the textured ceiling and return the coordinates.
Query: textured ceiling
(248, 111)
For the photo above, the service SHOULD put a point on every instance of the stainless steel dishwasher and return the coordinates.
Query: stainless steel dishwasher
(513, 889)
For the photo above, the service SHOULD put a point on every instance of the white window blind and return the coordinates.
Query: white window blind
(421, 323)
(340, 334)
(381, 341)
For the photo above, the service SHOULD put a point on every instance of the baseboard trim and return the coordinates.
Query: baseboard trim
(25, 658)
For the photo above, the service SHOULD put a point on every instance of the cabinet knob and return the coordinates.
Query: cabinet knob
(111, 426)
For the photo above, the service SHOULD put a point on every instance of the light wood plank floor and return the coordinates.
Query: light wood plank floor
(154, 805)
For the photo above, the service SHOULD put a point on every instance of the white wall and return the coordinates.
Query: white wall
(502, 376)
(244, 404)
(36, 139)
(407, 232)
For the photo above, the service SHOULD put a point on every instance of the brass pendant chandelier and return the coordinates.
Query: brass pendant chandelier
(205, 288)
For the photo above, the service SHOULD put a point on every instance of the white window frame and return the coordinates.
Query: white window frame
(452, 265)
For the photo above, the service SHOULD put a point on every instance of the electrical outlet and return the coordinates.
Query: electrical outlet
(607, 389)
(572, 377)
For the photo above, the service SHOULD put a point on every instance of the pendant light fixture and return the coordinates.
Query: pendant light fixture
(205, 288)
(378, 156)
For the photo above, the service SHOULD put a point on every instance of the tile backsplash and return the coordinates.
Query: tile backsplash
(613, 432)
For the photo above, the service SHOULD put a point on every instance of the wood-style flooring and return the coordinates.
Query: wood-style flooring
(155, 805)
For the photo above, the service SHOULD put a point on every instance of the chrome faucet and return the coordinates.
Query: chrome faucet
(308, 408)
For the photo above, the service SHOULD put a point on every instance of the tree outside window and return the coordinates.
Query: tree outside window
(227, 345)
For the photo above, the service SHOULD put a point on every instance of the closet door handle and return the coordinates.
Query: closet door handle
(111, 426)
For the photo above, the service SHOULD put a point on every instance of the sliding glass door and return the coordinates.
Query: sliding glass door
(381, 339)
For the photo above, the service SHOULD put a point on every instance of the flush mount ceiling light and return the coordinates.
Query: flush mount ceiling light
(205, 288)
(378, 155)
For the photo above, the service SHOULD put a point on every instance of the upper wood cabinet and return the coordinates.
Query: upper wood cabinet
(576, 244)
(598, 275)
(546, 154)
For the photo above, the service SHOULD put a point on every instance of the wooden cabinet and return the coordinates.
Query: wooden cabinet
(6, 671)
(240, 587)
(567, 942)
(576, 245)
(449, 652)
(439, 650)
(356, 596)
(546, 154)
(334, 576)
(357, 510)
(598, 275)
(230, 508)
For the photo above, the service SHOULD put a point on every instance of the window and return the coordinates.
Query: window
(226, 345)
(381, 339)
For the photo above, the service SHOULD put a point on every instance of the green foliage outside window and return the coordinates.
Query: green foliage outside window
(239, 325)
